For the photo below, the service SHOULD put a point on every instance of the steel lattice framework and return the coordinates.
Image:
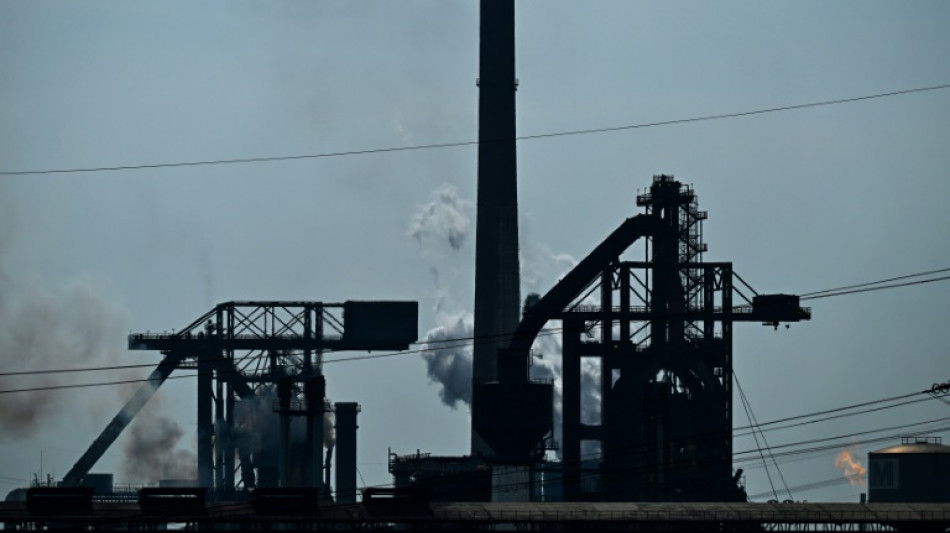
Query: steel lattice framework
(660, 332)
(254, 358)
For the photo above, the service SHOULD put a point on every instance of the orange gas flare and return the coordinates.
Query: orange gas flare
(851, 467)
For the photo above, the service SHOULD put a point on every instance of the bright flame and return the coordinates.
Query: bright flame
(851, 467)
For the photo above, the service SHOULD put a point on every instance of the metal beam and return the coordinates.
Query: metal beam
(121, 420)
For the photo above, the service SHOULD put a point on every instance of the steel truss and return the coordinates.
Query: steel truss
(254, 358)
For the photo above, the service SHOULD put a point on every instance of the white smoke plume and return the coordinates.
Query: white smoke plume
(448, 357)
(151, 454)
(443, 224)
(443, 220)
(441, 228)
(329, 429)
(541, 268)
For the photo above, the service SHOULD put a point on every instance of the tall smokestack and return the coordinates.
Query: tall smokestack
(497, 278)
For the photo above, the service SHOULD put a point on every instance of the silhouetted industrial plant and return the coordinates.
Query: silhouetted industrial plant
(642, 307)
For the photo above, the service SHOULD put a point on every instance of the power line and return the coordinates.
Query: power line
(827, 447)
(877, 288)
(836, 437)
(566, 133)
(639, 450)
(466, 341)
(755, 423)
(839, 409)
(841, 414)
(929, 426)
(878, 282)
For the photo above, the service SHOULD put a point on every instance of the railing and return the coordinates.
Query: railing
(921, 440)
(738, 310)
(187, 335)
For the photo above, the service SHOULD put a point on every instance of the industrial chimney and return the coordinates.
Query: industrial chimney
(497, 276)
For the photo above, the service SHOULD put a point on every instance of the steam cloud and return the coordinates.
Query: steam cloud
(69, 327)
(150, 453)
(439, 226)
(449, 360)
(443, 220)
(329, 429)
(442, 225)
(74, 325)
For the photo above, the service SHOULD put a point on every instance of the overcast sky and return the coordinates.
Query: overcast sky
(798, 201)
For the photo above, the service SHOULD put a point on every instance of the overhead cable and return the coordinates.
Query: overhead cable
(567, 133)
(878, 282)
(838, 291)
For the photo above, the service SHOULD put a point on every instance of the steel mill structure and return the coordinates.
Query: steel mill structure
(259, 367)
(662, 439)
(642, 307)
(660, 332)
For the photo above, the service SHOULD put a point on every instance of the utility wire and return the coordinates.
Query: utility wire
(877, 288)
(754, 422)
(474, 143)
(878, 282)
(835, 417)
(840, 409)
(929, 426)
(838, 291)
(473, 340)
(464, 342)
(768, 475)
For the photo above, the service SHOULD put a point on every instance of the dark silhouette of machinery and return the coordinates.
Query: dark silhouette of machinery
(260, 367)
(660, 331)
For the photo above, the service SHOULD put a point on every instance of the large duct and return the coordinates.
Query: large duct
(497, 278)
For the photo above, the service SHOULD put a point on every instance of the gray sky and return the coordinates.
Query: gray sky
(799, 201)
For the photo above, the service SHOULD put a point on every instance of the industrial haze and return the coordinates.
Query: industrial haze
(798, 201)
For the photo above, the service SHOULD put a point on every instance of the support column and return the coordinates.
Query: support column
(205, 421)
(284, 386)
(315, 393)
(608, 345)
(229, 441)
(571, 410)
(219, 436)
(727, 345)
